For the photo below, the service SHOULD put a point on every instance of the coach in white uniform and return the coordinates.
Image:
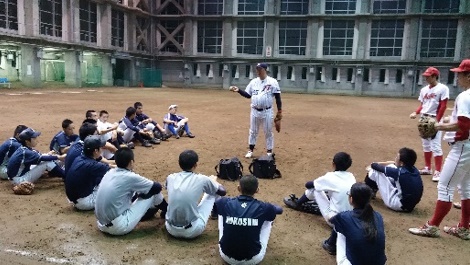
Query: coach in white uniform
(261, 90)
(185, 217)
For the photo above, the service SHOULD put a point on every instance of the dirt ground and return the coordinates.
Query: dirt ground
(44, 229)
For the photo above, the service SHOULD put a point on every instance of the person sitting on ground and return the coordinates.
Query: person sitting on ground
(8, 148)
(399, 182)
(116, 211)
(176, 124)
(185, 217)
(110, 133)
(149, 123)
(245, 224)
(85, 174)
(77, 148)
(131, 128)
(19, 168)
(62, 141)
(361, 234)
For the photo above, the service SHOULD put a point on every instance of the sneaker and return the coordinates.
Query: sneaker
(425, 171)
(461, 232)
(214, 215)
(177, 136)
(146, 144)
(436, 175)
(131, 145)
(190, 135)
(269, 154)
(291, 202)
(249, 154)
(425, 230)
(329, 248)
(374, 194)
(457, 205)
(180, 131)
(154, 141)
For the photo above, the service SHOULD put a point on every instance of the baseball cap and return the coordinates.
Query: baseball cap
(172, 107)
(262, 65)
(431, 71)
(463, 67)
(27, 134)
(93, 142)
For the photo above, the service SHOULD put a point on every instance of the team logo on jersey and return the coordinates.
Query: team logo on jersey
(244, 205)
(430, 96)
(266, 88)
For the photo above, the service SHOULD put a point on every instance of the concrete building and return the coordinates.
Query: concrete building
(357, 47)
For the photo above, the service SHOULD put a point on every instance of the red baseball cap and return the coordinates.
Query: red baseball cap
(431, 71)
(463, 67)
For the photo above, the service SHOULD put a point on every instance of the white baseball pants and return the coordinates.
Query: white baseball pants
(456, 170)
(390, 194)
(433, 145)
(341, 258)
(35, 172)
(323, 203)
(197, 226)
(263, 239)
(265, 119)
(3, 172)
(127, 221)
(87, 203)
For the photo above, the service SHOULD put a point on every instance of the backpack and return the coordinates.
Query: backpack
(264, 167)
(230, 169)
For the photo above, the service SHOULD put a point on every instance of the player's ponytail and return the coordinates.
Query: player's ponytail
(361, 195)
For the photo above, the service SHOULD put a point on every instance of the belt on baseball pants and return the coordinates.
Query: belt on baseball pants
(261, 109)
(428, 115)
(185, 227)
(109, 224)
(462, 141)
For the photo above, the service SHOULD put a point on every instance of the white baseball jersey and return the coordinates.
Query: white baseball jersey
(461, 108)
(430, 97)
(262, 92)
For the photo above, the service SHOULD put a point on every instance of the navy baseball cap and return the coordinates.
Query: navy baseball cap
(27, 134)
(262, 65)
(93, 142)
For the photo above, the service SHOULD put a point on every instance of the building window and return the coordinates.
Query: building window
(450, 78)
(221, 70)
(174, 7)
(438, 38)
(195, 69)
(234, 70)
(9, 14)
(292, 37)
(382, 76)
(340, 6)
(209, 36)
(338, 37)
(318, 73)
(251, 7)
(334, 73)
(441, 6)
(290, 69)
(275, 71)
(399, 76)
(117, 28)
(294, 7)
(386, 37)
(210, 7)
(350, 74)
(208, 69)
(247, 71)
(142, 39)
(170, 26)
(365, 75)
(50, 14)
(87, 21)
(304, 73)
(250, 37)
(389, 6)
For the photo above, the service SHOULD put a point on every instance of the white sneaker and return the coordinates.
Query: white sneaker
(425, 230)
(249, 154)
(436, 175)
(269, 154)
(425, 171)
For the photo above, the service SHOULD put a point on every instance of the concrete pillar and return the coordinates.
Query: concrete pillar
(31, 67)
(103, 31)
(133, 78)
(361, 49)
(270, 30)
(28, 17)
(311, 78)
(130, 31)
(359, 80)
(73, 73)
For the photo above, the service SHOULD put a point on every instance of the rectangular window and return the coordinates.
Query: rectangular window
(275, 71)
(247, 71)
(294, 7)
(289, 72)
(438, 37)
(389, 6)
(176, 7)
(9, 14)
(170, 26)
(399, 76)
(441, 6)
(338, 37)
(210, 7)
(292, 37)
(221, 69)
(450, 78)
(382, 76)
(208, 69)
(88, 18)
(386, 37)
(251, 7)
(250, 37)
(350, 74)
(418, 76)
(117, 28)
(334, 73)
(194, 68)
(209, 36)
(318, 73)
(50, 16)
(304, 73)
(365, 75)
(234, 70)
(340, 6)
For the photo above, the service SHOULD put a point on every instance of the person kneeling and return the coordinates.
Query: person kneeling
(399, 182)
(115, 209)
(245, 224)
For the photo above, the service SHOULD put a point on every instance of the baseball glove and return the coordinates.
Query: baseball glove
(426, 127)
(308, 207)
(24, 188)
(277, 121)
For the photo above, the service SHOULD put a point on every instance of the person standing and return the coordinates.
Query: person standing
(433, 98)
(261, 90)
(456, 169)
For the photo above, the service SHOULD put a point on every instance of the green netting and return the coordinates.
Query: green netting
(55, 71)
(151, 77)
(94, 75)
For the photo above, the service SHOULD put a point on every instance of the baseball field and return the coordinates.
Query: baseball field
(43, 228)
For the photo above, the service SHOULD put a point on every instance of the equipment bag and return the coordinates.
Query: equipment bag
(264, 167)
(231, 169)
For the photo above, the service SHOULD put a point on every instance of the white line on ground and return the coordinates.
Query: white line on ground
(32, 254)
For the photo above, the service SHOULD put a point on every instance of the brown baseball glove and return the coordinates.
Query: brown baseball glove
(24, 188)
(426, 127)
(277, 121)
